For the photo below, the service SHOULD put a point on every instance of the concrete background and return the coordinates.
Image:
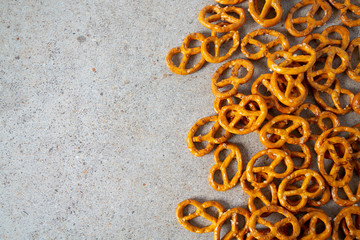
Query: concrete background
(93, 124)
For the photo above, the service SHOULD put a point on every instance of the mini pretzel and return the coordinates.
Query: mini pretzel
(333, 178)
(277, 157)
(261, 16)
(233, 80)
(355, 104)
(223, 165)
(330, 146)
(344, 8)
(254, 117)
(209, 137)
(313, 216)
(187, 52)
(256, 218)
(200, 211)
(284, 134)
(230, 2)
(286, 67)
(280, 39)
(324, 39)
(345, 213)
(205, 46)
(221, 14)
(309, 18)
(306, 175)
(234, 232)
(351, 72)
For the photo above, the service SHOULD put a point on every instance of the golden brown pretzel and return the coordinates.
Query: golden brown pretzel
(346, 213)
(280, 39)
(344, 8)
(355, 104)
(351, 72)
(261, 16)
(287, 67)
(325, 40)
(223, 165)
(313, 216)
(209, 137)
(275, 232)
(200, 211)
(234, 232)
(309, 18)
(233, 80)
(216, 58)
(187, 52)
(306, 175)
(221, 14)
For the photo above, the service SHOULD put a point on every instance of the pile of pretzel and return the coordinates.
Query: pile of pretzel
(278, 119)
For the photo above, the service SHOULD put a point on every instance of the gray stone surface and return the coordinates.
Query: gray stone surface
(93, 124)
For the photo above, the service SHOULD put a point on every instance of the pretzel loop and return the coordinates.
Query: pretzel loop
(346, 213)
(344, 8)
(313, 216)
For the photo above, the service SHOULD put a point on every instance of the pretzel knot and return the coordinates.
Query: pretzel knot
(216, 58)
(344, 8)
(305, 175)
(346, 214)
(286, 67)
(352, 72)
(223, 165)
(209, 137)
(249, 39)
(233, 214)
(222, 14)
(325, 40)
(255, 117)
(309, 18)
(200, 211)
(261, 17)
(309, 221)
(275, 229)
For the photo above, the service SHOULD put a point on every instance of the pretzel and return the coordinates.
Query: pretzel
(216, 58)
(353, 73)
(254, 117)
(187, 52)
(221, 14)
(344, 8)
(328, 71)
(309, 18)
(200, 211)
(333, 178)
(284, 134)
(233, 80)
(209, 137)
(306, 175)
(261, 16)
(230, 2)
(256, 218)
(234, 232)
(280, 39)
(346, 214)
(223, 165)
(290, 57)
(313, 216)
(335, 96)
(277, 157)
(324, 39)
(220, 102)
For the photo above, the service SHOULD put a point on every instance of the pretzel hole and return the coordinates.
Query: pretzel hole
(320, 227)
(225, 228)
(279, 60)
(262, 90)
(176, 59)
(193, 60)
(319, 14)
(274, 217)
(328, 123)
(343, 231)
(200, 222)
(344, 100)
(300, 26)
(334, 35)
(194, 43)
(226, 47)
(263, 160)
(233, 14)
(351, 15)
(201, 145)
(218, 177)
(252, 49)
(265, 38)
(232, 169)
(355, 57)
(314, 43)
(326, 98)
(336, 62)
(320, 63)
(280, 168)
(213, 211)
(355, 181)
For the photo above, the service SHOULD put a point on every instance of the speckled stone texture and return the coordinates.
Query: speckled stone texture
(93, 124)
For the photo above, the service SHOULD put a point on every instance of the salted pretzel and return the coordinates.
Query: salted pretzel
(309, 221)
(217, 83)
(223, 165)
(306, 175)
(209, 137)
(261, 16)
(284, 133)
(277, 156)
(234, 232)
(218, 41)
(286, 67)
(355, 104)
(249, 39)
(328, 71)
(309, 19)
(325, 40)
(333, 178)
(346, 214)
(353, 73)
(254, 117)
(275, 232)
(186, 52)
(344, 7)
(200, 212)
(222, 14)
(230, 2)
